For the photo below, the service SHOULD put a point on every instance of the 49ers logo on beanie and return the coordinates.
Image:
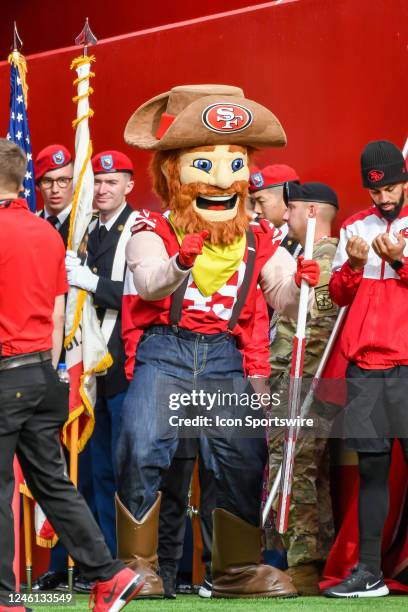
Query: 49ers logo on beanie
(226, 118)
(375, 175)
(382, 163)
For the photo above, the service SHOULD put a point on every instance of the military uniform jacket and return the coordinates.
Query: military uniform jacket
(108, 295)
(320, 320)
(63, 230)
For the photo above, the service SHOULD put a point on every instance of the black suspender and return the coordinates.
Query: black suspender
(249, 270)
(178, 295)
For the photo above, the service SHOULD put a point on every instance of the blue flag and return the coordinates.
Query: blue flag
(19, 133)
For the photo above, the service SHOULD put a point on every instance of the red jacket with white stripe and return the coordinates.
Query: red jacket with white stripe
(375, 335)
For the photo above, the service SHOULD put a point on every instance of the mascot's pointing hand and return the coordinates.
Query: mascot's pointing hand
(308, 270)
(190, 248)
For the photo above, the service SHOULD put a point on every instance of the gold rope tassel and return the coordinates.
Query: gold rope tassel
(19, 60)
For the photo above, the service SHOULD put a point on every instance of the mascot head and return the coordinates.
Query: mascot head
(203, 136)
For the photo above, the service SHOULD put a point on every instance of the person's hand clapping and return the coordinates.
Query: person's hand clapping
(387, 250)
(357, 252)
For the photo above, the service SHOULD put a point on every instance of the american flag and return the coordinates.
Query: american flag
(19, 133)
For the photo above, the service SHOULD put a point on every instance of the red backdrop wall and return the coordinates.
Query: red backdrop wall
(46, 24)
(333, 72)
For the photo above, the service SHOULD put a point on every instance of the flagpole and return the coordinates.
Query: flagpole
(17, 63)
(84, 39)
(27, 541)
(16, 516)
(296, 374)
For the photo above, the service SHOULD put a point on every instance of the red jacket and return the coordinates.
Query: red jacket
(375, 335)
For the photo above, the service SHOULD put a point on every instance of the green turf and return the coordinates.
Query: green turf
(193, 603)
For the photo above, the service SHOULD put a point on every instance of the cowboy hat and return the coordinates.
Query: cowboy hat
(200, 115)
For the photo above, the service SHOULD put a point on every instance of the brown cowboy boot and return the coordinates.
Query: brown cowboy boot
(235, 561)
(137, 545)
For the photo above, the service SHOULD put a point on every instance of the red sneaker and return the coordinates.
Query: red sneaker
(112, 595)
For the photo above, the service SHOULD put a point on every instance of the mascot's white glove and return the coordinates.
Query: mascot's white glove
(80, 276)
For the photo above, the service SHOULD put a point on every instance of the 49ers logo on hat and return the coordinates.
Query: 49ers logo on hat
(58, 157)
(226, 118)
(404, 232)
(375, 175)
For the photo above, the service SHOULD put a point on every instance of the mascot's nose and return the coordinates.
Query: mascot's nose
(223, 175)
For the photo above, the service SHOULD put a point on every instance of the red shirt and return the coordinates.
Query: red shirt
(32, 275)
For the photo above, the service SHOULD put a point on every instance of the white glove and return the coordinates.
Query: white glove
(82, 277)
(71, 260)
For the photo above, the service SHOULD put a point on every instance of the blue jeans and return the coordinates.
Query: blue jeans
(182, 359)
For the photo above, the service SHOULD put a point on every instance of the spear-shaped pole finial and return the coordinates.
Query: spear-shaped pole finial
(86, 37)
(17, 42)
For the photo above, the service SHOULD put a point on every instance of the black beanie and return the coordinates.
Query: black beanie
(382, 163)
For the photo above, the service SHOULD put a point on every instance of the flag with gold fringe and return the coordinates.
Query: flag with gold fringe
(86, 350)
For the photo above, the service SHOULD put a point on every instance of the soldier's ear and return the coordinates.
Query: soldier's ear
(129, 186)
(312, 209)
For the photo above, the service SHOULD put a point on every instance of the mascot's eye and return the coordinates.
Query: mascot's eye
(202, 164)
(237, 164)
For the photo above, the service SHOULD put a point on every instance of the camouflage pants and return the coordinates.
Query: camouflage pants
(310, 530)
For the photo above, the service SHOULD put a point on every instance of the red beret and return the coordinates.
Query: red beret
(111, 161)
(51, 158)
(271, 176)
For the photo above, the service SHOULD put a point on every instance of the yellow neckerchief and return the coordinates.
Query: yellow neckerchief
(217, 263)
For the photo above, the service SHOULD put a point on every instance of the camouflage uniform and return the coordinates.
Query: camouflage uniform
(310, 531)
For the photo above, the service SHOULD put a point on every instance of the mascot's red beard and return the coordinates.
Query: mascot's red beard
(179, 199)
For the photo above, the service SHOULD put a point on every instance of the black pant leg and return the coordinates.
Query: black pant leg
(208, 502)
(7, 448)
(21, 390)
(175, 486)
(239, 465)
(373, 506)
(39, 452)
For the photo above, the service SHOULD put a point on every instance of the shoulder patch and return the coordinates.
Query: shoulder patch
(323, 300)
